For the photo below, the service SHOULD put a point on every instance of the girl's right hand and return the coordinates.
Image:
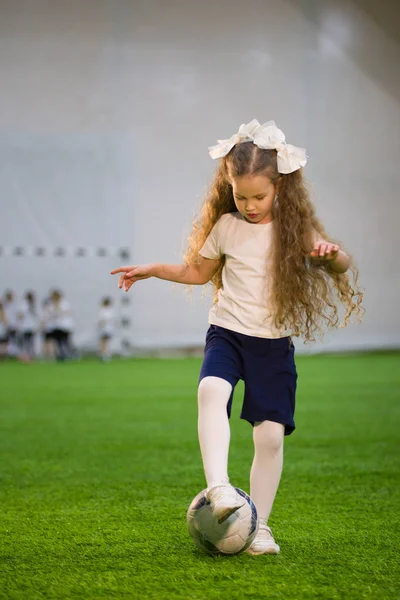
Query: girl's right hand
(132, 274)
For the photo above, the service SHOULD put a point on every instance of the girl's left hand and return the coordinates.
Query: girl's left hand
(325, 251)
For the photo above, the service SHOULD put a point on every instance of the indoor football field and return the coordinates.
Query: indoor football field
(99, 463)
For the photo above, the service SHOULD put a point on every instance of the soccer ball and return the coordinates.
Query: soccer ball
(234, 535)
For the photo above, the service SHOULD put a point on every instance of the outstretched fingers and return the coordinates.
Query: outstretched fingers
(127, 273)
(121, 270)
(325, 250)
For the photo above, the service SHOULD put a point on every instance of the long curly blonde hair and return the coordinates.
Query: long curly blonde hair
(307, 295)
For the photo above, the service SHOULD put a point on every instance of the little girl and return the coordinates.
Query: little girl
(28, 326)
(61, 317)
(10, 312)
(106, 328)
(276, 275)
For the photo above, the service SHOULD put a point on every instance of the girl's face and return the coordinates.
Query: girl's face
(254, 196)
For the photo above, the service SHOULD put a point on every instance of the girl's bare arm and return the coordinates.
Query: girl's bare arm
(195, 274)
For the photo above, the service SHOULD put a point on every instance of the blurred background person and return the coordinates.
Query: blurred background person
(61, 317)
(10, 309)
(28, 325)
(46, 328)
(106, 328)
(3, 332)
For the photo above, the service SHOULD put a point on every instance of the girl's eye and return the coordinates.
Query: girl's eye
(260, 197)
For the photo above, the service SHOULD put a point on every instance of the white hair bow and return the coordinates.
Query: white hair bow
(267, 137)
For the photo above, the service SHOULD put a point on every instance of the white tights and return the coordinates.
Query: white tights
(214, 438)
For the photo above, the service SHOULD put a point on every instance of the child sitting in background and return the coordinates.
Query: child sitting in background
(106, 328)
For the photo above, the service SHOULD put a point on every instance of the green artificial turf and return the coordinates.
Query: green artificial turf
(99, 462)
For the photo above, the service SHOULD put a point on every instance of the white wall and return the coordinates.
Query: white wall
(106, 113)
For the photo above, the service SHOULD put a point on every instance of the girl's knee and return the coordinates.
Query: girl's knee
(214, 388)
(268, 437)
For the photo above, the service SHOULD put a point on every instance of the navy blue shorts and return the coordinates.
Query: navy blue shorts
(267, 368)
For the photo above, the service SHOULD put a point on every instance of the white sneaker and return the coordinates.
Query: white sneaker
(264, 542)
(224, 501)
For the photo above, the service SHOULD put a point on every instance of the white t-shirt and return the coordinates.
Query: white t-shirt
(244, 302)
(28, 320)
(10, 309)
(106, 320)
(46, 318)
(60, 315)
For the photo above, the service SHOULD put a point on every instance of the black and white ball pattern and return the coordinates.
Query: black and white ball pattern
(230, 537)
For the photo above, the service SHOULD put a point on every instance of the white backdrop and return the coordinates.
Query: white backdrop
(106, 113)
